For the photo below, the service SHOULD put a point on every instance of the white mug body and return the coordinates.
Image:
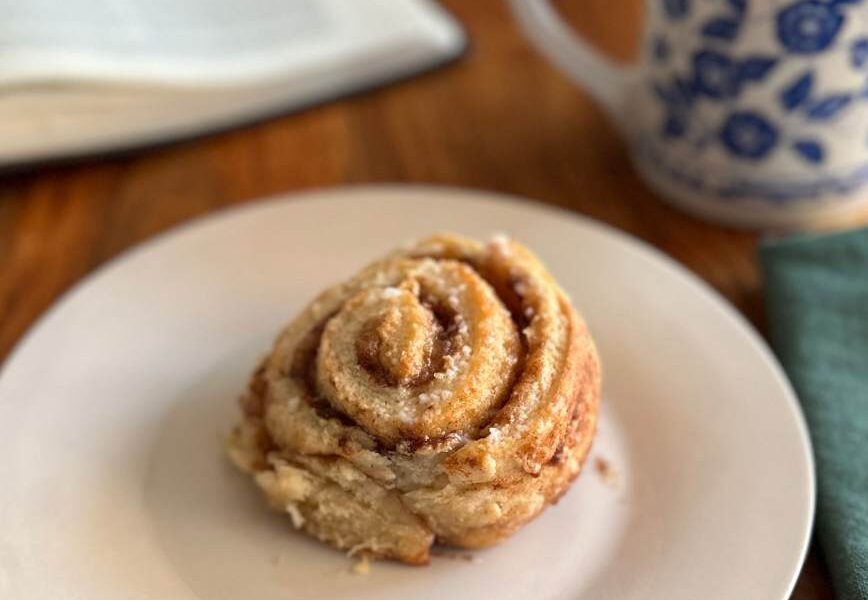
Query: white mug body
(748, 112)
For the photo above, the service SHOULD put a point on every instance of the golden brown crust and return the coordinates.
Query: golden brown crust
(449, 392)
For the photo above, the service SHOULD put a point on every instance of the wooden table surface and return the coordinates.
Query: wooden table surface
(500, 119)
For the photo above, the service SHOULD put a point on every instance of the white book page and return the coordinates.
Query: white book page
(87, 76)
(196, 42)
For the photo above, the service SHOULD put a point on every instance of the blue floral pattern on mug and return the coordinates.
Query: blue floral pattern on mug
(809, 25)
(714, 74)
(717, 81)
(859, 52)
(676, 9)
(748, 134)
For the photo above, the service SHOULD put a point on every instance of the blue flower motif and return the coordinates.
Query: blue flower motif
(660, 49)
(676, 9)
(828, 107)
(684, 89)
(674, 127)
(749, 135)
(676, 94)
(714, 74)
(809, 150)
(739, 6)
(721, 28)
(797, 92)
(755, 68)
(859, 52)
(809, 26)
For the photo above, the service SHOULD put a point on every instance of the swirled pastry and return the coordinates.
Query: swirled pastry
(448, 392)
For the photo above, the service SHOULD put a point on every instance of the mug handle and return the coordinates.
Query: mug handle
(606, 82)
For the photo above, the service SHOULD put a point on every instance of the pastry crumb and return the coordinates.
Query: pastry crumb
(606, 471)
(362, 566)
(500, 238)
(465, 556)
(295, 515)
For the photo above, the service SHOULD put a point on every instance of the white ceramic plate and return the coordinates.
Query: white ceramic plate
(112, 409)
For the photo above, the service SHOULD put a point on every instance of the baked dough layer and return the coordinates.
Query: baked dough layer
(448, 392)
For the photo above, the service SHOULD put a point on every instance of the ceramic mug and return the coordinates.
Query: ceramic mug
(750, 112)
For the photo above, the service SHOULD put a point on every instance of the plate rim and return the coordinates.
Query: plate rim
(428, 192)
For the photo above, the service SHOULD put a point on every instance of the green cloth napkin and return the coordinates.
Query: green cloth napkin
(817, 301)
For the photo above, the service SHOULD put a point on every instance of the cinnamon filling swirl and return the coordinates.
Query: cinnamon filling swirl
(448, 391)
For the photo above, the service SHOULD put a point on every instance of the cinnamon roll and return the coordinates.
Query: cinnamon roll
(448, 392)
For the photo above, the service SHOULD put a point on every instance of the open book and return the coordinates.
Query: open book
(85, 76)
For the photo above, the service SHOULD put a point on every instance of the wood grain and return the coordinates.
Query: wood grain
(500, 119)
